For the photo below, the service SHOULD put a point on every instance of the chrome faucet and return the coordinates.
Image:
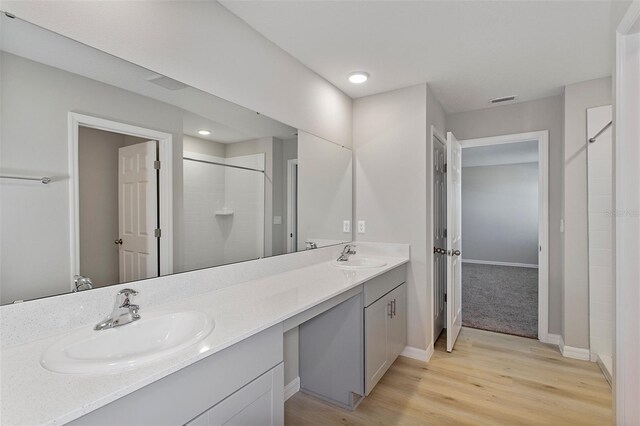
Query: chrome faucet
(346, 252)
(81, 283)
(124, 312)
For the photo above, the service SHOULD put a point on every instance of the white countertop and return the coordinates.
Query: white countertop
(32, 395)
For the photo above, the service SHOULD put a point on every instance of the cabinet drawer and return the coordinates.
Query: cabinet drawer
(377, 287)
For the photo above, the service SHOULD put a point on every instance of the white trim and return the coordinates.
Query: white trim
(419, 354)
(552, 339)
(491, 262)
(574, 353)
(543, 213)
(605, 370)
(626, 353)
(165, 202)
(292, 388)
(291, 206)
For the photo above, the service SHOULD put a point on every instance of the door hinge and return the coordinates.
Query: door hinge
(157, 233)
(445, 298)
(445, 167)
(156, 164)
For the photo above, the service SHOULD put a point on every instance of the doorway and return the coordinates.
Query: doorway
(505, 224)
(442, 304)
(120, 201)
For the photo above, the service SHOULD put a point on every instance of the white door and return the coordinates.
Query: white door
(454, 240)
(439, 235)
(137, 211)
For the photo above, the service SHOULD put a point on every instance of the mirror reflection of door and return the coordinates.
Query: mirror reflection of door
(292, 205)
(110, 210)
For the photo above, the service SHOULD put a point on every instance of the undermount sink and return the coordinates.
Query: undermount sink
(152, 337)
(360, 263)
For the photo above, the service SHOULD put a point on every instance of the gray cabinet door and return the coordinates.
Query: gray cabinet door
(260, 403)
(397, 329)
(376, 320)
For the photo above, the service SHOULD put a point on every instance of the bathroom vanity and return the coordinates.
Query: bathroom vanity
(235, 374)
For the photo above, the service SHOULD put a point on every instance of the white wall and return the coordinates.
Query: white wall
(578, 98)
(391, 188)
(500, 213)
(600, 199)
(203, 242)
(203, 45)
(523, 117)
(325, 186)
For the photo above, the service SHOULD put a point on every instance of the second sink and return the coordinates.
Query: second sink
(360, 263)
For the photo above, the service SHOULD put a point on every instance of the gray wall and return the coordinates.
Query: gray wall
(542, 114)
(578, 98)
(500, 213)
(31, 90)
(391, 187)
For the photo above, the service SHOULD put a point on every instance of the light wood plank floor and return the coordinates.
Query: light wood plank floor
(489, 378)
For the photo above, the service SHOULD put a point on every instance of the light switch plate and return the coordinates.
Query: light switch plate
(277, 220)
(346, 226)
(361, 227)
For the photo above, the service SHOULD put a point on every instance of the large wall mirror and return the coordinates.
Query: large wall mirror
(114, 173)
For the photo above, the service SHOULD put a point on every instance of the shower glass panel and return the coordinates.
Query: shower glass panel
(224, 209)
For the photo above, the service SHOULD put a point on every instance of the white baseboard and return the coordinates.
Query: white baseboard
(605, 369)
(419, 354)
(490, 262)
(292, 388)
(575, 353)
(552, 339)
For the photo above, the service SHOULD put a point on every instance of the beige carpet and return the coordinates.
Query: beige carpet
(500, 298)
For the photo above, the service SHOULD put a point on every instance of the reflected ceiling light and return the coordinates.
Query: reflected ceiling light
(204, 132)
(358, 77)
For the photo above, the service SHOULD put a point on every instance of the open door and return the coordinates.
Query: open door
(454, 240)
(137, 211)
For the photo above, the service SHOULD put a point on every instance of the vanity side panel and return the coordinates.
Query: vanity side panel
(185, 394)
(331, 354)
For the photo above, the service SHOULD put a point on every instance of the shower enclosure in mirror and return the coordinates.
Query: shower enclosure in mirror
(113, 173)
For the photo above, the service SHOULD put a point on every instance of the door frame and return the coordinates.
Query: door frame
(165, 202)
(626, 348)
(542, 137)
(291, 206)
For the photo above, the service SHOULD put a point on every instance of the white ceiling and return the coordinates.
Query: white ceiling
(495, 155)
(469, 51)
(227, 121)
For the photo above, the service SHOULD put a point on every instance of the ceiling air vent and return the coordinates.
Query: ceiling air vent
(502, 99)
(166, 82)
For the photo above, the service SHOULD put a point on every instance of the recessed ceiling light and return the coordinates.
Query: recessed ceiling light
(204, 132)
(358, 77)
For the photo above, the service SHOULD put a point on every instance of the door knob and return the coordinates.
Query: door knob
(456, 253)
(118, 241)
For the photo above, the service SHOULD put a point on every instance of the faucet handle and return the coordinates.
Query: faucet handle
(124, 296)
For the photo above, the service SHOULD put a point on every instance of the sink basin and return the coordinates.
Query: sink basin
(360, 263)
(152, 337)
